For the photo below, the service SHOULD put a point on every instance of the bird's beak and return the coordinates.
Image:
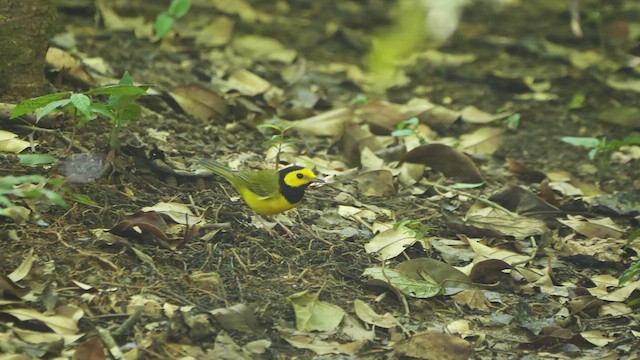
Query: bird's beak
(317, 181)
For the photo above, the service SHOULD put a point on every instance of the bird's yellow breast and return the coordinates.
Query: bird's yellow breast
(266, 205)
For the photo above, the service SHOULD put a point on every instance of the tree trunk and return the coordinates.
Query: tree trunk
(25, 29)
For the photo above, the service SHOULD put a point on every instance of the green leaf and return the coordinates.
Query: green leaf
(126, 79)
(412, 121)
(577, 101)
(120, 89)
(81, 102)
(129, 112)
(179, 7)
(9, 181)
(467, 185)
(633, 236)
(269, 126)
(50, 107)
(164, 24)
(83, 199)
(53, 197)
(630, 273)
(513, 121)
(402, 132)
(616, 144)
(31, 105)
(102, 109)
(36, 159)
(587, 142)
(423, 288)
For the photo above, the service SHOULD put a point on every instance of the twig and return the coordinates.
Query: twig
(111, 344)
(129, 323)
(470, 195)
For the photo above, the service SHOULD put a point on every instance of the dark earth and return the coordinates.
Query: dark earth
(244, 263)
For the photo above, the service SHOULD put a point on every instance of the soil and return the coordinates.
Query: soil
(248, 265)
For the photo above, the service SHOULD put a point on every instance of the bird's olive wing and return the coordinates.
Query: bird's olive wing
(263, 183)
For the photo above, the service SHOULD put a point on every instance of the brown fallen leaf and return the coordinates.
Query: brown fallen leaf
(10, 290)
(485, 140)
(376, 183)
(321, 347)
(90, 349)
(238, 317)
(524, 202)
(524, 172)
(61, 60)
(199, 102)
(141, 223)
(473, 298)
(381, 116)
(490, 273)
(434, 346)
(445, 159)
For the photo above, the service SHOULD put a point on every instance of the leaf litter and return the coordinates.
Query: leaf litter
(496, 257)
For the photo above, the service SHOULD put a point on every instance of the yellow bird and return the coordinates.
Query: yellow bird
(267, 192)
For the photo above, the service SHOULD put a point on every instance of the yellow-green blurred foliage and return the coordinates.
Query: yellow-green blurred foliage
(406, 36)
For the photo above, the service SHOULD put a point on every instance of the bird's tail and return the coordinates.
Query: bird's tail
(219, 169)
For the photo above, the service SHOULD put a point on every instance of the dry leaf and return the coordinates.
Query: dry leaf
(368, 315)
(446, 160)
(199, 102)
(485, 140)
(434, 346)
(313, 314)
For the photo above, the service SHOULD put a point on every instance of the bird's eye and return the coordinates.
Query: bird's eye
(299, 176)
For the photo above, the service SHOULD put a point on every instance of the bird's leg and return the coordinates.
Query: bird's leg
(286, 229)
(268, 228)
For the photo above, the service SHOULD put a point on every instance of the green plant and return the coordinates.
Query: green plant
(416, 228)
(29, 187)
(634, 269)
(512, 122)
(576, 102)
(277, 140)
(361, 99)
(120, 108)
(167, 19)
(630, 273)
(601, 149)
(408, 127)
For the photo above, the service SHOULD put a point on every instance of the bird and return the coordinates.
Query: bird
(267, 192)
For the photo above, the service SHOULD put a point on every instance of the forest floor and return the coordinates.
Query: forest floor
(455, 222)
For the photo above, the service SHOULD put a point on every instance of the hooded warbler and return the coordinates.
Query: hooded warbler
(267, 192)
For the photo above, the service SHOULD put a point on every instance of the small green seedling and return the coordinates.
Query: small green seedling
(635, 268)
(24, 187)
(601, 149)
(278, 140)
(576, 102)
(120, 109)
(630, 273)
(361, 99)
(417, 229)
(408, 127)
(512, 122)
(167, 19)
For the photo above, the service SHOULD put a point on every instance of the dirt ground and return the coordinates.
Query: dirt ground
(219, 286)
